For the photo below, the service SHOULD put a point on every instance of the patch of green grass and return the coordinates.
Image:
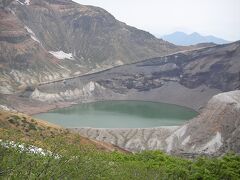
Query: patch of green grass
(32, 127)
(86, 162)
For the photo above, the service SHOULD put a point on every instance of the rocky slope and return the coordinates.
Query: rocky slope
(46, 40)
(188, 78)
(22, 59)
(215, 131)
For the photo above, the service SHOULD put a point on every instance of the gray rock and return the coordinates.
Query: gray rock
(214, 132)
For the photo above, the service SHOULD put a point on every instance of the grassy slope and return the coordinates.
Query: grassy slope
(23, 128)
(84, 159)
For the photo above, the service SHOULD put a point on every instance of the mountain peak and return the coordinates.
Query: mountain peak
(194, 34)
(179, 33)
(181, 38)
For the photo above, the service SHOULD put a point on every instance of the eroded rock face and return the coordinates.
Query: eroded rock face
(215, 131)
(23, 61)
(84, 93)
(48, 40)
(134, 140)
(186, 78)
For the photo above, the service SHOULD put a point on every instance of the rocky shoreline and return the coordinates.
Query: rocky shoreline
(214, 131)
(190, 98)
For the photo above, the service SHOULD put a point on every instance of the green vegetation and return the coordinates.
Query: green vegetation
(75, 157)
(85, 162)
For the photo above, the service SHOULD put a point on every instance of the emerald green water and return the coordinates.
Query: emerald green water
(119, 114)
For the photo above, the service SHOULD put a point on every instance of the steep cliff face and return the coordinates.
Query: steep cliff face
(215, 131)
(45, 40)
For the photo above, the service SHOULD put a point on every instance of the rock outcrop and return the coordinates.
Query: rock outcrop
(188, 79)
(23, 60)
(215, 131)
(47, 40)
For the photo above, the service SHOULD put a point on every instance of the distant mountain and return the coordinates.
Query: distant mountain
(181, 38)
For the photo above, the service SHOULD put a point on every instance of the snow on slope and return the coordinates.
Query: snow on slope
(62, 55)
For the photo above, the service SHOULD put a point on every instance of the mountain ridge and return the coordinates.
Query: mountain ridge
(88, 38)
(181, 38)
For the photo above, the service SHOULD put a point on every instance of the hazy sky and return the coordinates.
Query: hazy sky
(209, 17)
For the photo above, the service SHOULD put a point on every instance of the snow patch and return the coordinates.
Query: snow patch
(62, 55)
(32, 34)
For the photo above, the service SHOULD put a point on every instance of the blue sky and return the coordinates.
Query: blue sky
(209, 17)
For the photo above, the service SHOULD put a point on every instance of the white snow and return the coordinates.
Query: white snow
(62, 55)
(32, 34)
(213, 145)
